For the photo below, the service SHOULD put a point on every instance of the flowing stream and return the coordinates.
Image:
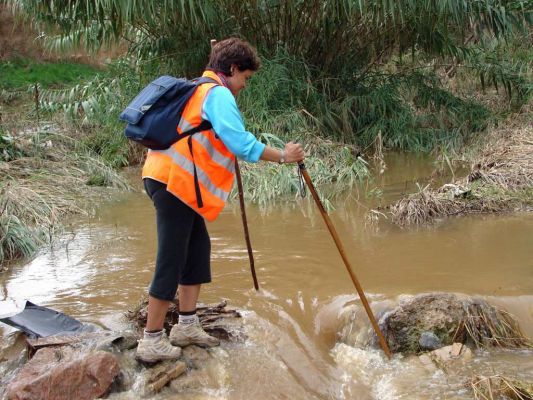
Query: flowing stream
(102, 265)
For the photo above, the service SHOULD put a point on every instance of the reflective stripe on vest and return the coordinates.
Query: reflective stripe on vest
(213, 152)
(215, 164)
(188, 166)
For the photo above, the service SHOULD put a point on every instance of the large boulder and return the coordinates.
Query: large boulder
(64, 374)
(424, 322)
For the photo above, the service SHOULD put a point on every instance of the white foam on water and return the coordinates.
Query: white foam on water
(385, 379)
(358, 363)
(301, 300)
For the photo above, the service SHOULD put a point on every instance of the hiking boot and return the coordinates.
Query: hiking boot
(186, 334)
(157, 349)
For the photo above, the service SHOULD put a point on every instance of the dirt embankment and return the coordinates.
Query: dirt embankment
(19, 39)
(500, 180)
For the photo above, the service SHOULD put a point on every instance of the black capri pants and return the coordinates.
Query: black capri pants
(183, 244)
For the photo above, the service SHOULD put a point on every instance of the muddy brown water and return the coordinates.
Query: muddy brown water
(103, 264)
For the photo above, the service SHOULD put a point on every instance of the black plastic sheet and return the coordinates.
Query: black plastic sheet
(37, 321)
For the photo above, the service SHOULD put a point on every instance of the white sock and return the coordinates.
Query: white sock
(188, 319)
(153, 335)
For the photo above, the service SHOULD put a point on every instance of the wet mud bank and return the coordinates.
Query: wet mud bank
(500, 180)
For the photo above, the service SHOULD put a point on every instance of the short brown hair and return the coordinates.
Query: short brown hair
(233, 51)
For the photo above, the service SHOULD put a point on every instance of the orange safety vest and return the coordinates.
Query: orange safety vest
(215, 164)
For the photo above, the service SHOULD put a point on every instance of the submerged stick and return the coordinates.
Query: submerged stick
(338, 243)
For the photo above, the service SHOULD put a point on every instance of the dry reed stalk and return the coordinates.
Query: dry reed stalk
(488, 326)
(498, 387)
(508, 161)
(378, 156)
(423, 207)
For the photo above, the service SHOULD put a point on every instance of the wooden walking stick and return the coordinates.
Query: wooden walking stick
(243, 213)
(245, 224)
(338, 243)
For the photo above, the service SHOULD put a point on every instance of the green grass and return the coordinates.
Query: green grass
(20, 73)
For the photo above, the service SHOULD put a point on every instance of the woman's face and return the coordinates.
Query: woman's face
(237, 80)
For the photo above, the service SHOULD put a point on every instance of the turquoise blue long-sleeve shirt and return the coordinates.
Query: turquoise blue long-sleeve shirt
(221, 110)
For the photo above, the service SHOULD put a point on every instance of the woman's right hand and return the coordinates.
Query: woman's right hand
(294, 152)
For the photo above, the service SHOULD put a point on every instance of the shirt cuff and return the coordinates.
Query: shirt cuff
(256, 152)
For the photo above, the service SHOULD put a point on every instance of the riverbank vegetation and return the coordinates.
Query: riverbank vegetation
(345, 70)
(346, 78)
(501, 179)
(45, 163)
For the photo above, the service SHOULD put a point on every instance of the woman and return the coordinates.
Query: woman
(190, 182)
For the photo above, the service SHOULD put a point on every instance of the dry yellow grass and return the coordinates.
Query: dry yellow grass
(500, 180)
(498, 387)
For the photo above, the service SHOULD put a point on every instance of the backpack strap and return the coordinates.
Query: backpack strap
(204, 125)
(205, 79)
(196, 184)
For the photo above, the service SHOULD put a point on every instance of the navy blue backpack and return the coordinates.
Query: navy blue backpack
(154, 114)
